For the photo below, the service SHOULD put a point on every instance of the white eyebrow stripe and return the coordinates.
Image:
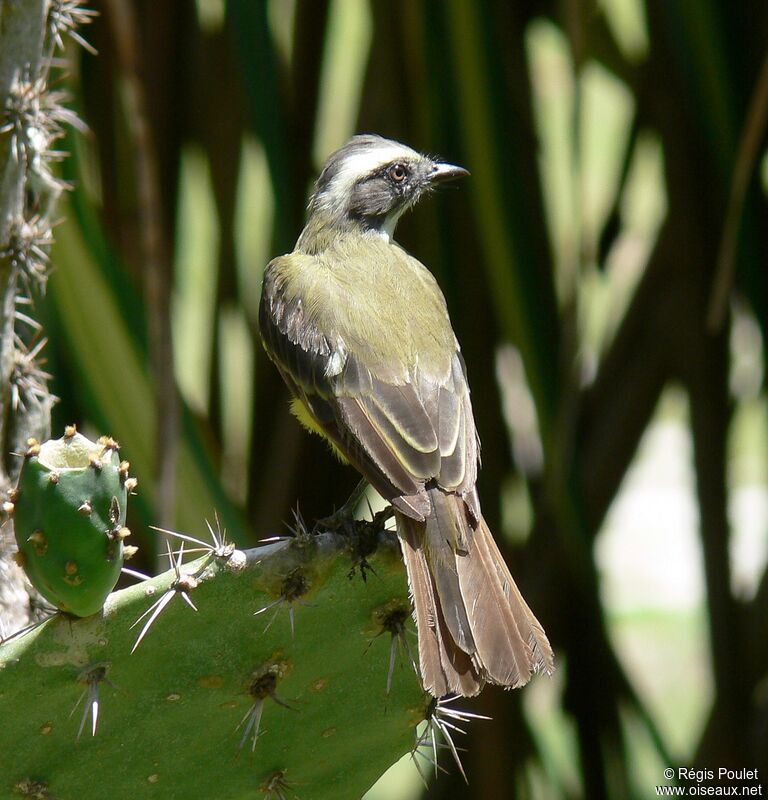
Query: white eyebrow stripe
(357, 166)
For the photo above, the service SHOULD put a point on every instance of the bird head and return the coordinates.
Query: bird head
(371, 181)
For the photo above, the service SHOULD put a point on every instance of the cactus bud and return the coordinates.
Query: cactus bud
(69, 516)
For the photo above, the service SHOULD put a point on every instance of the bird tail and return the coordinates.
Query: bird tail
(474, 626)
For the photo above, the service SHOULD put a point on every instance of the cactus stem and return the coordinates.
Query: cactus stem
(181, 586)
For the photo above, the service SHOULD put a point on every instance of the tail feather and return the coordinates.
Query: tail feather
(511, 643)
(474, 626)
(444, 667)
(502, 650)
(543, 659)
(442, 538)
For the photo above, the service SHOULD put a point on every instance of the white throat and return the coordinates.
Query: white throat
(387, 229)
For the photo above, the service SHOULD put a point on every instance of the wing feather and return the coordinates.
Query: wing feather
(374, 444)
(453, 466)
(448, 419)
(401, 433)
(404, 408)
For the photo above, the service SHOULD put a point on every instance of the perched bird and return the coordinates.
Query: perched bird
(360, 332)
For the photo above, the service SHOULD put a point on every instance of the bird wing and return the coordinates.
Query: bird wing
(403, 426)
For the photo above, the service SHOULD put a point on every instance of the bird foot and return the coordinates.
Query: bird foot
(343, 519)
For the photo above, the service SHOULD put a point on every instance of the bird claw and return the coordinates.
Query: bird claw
(343, 519)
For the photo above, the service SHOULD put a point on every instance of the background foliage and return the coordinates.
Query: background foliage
(605, 271)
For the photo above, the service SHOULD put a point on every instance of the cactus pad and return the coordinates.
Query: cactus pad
(219, 702)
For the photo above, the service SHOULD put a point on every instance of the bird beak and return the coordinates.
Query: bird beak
(446, 172)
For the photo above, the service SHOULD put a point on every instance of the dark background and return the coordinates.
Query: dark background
(605, 271)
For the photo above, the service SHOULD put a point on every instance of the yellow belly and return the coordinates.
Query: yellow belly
(305, 417)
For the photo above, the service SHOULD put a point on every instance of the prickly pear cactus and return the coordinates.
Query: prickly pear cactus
(69, 517)
(277, 672)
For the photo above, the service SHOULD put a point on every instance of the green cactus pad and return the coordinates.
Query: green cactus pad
(69, 517)
(170, 713)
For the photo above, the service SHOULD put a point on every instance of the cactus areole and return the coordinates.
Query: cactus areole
(69, 517)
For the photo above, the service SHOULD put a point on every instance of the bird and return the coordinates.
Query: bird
(360, 332)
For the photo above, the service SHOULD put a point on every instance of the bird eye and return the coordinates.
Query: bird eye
(398, 173)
